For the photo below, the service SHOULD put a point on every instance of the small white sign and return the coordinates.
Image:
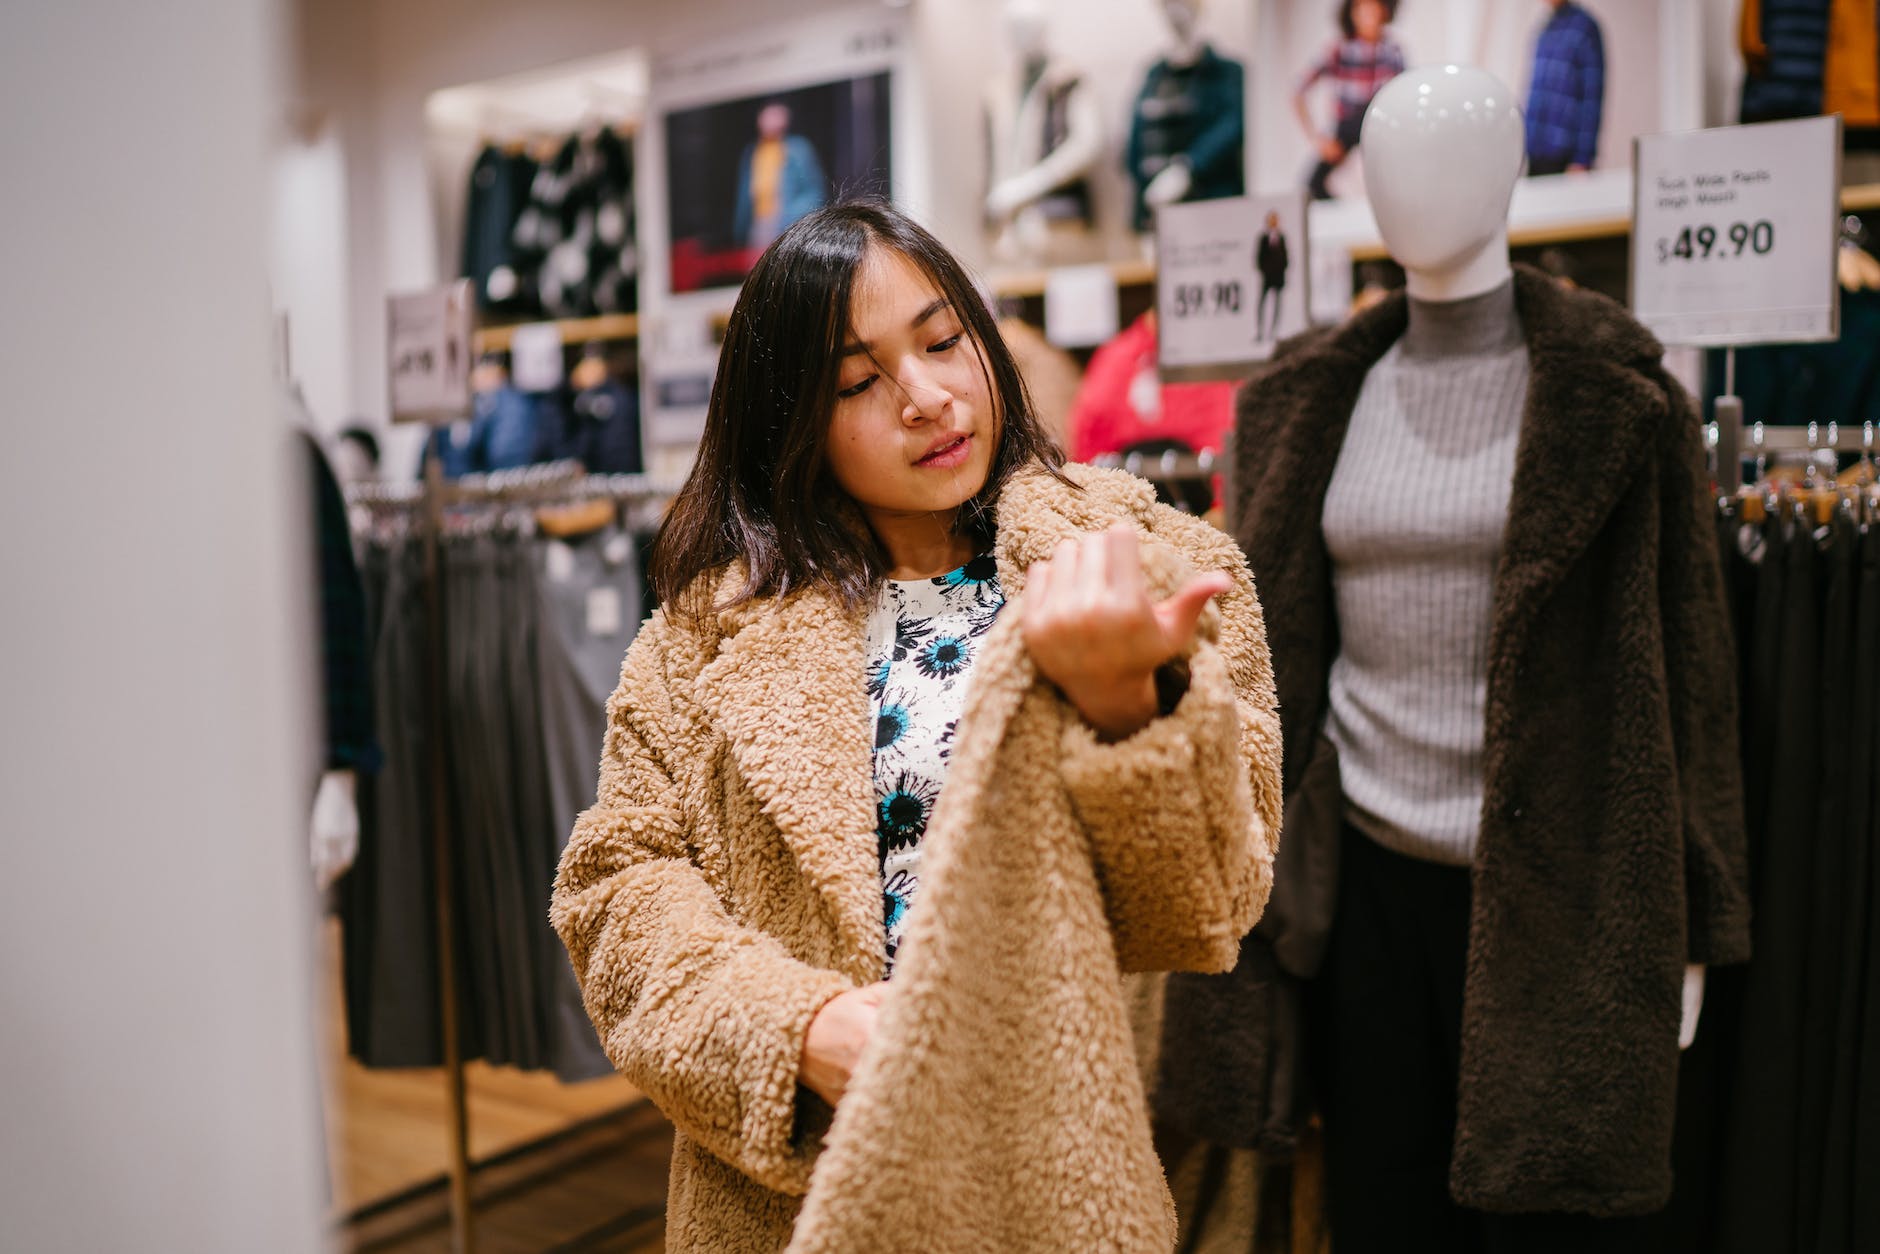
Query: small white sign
(1734, 231)
(428, 352)
(1232, 281)
(1080, 306)
(603, 611)
(535, 359)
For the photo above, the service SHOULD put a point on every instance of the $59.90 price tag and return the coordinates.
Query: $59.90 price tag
(1231, 282)
(1734, 232)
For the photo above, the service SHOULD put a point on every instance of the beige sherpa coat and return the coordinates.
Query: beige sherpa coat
(726, 886)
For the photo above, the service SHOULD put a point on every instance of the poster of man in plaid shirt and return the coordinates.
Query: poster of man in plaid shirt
(1566, 92)
(1358, 64)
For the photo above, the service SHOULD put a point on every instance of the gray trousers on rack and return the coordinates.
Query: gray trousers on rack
(577, 669)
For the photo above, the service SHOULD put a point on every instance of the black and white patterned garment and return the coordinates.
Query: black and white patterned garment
(922, 637)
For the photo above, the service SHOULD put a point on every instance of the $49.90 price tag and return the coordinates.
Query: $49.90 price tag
(1734, 232)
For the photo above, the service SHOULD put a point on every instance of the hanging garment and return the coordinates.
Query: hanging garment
(998, 1105)
(589, 588)
(1851, 65)
(345, 661)
(1794, 1032)
(1785, 50)
(1192, 113)
(576, 240)
(499, 189)
(1864, 1160)
(600, 429)
(1796, 384)
(1612, 759)
(1760, 1185)
(1123, 401)
(388, 900)
(528, 660)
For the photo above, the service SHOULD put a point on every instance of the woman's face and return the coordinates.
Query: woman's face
(1368, 18)
(914, 428)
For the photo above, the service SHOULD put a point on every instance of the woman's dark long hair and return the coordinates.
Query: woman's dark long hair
(761, 489)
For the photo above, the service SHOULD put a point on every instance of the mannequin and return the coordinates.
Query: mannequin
(1186, 137)
(1451, 494)
(1450, 146)
(1044, 132)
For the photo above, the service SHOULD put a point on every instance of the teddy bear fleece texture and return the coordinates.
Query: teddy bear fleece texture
(725, 886)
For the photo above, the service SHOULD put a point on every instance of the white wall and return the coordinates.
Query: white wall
(155, 986)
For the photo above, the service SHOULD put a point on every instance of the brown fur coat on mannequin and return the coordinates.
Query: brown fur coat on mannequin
(1612, 850)
(726, 886)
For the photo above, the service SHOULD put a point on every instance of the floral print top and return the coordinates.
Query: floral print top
(922, 637)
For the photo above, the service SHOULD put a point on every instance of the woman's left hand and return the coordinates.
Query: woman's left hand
(1093, 631)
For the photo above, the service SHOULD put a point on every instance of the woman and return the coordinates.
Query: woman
(871, 498)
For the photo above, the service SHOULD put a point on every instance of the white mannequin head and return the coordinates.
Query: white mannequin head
(1443, 148)
(1025, 28)
(1184, 22)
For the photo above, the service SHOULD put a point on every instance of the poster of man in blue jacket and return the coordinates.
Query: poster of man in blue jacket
(739, 172)
(780, 179)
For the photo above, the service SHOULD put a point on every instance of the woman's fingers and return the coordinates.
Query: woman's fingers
(1178, 615)
(1122, 560)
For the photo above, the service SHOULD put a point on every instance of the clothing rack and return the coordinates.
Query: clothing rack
(1174, 467)
(1728, 448)
(546, 484)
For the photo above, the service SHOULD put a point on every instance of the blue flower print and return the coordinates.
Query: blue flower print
(878, 679)
(981, 575)
(901, 812)
(893, 910)
(943, 657)
(909, 633)
(890, 726)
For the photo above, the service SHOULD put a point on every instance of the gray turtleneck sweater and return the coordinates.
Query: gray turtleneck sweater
(1413, 522)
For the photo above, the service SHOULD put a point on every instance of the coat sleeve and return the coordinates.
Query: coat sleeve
(1184, 816)
(1700, 672)
(706, 1016)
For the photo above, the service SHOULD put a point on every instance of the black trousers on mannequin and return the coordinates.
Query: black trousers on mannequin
(1387, 1014)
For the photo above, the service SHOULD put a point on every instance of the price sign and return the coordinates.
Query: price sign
(1734, 232)
(1231, 282)
(428, 352)
(1080, 306)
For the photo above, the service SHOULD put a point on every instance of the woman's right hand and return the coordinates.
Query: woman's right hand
(835, 1040)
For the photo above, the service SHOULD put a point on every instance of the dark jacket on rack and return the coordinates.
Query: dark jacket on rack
(1612, 846)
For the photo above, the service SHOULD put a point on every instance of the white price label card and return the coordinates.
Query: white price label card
(558, 564)
(1734, 231)
(427, 344)
(535, 357)
(1231, 283)
(1080, 309)
(603, 612)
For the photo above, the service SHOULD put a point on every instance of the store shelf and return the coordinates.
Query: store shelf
(1861, 197)
(1531, 237)
(1856, 199)
(573, 331)
(1024, 283)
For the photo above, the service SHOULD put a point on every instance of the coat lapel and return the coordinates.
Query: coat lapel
(1590, 419)
(788, 691)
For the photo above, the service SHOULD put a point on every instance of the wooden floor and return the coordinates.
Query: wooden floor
(387, 1151)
